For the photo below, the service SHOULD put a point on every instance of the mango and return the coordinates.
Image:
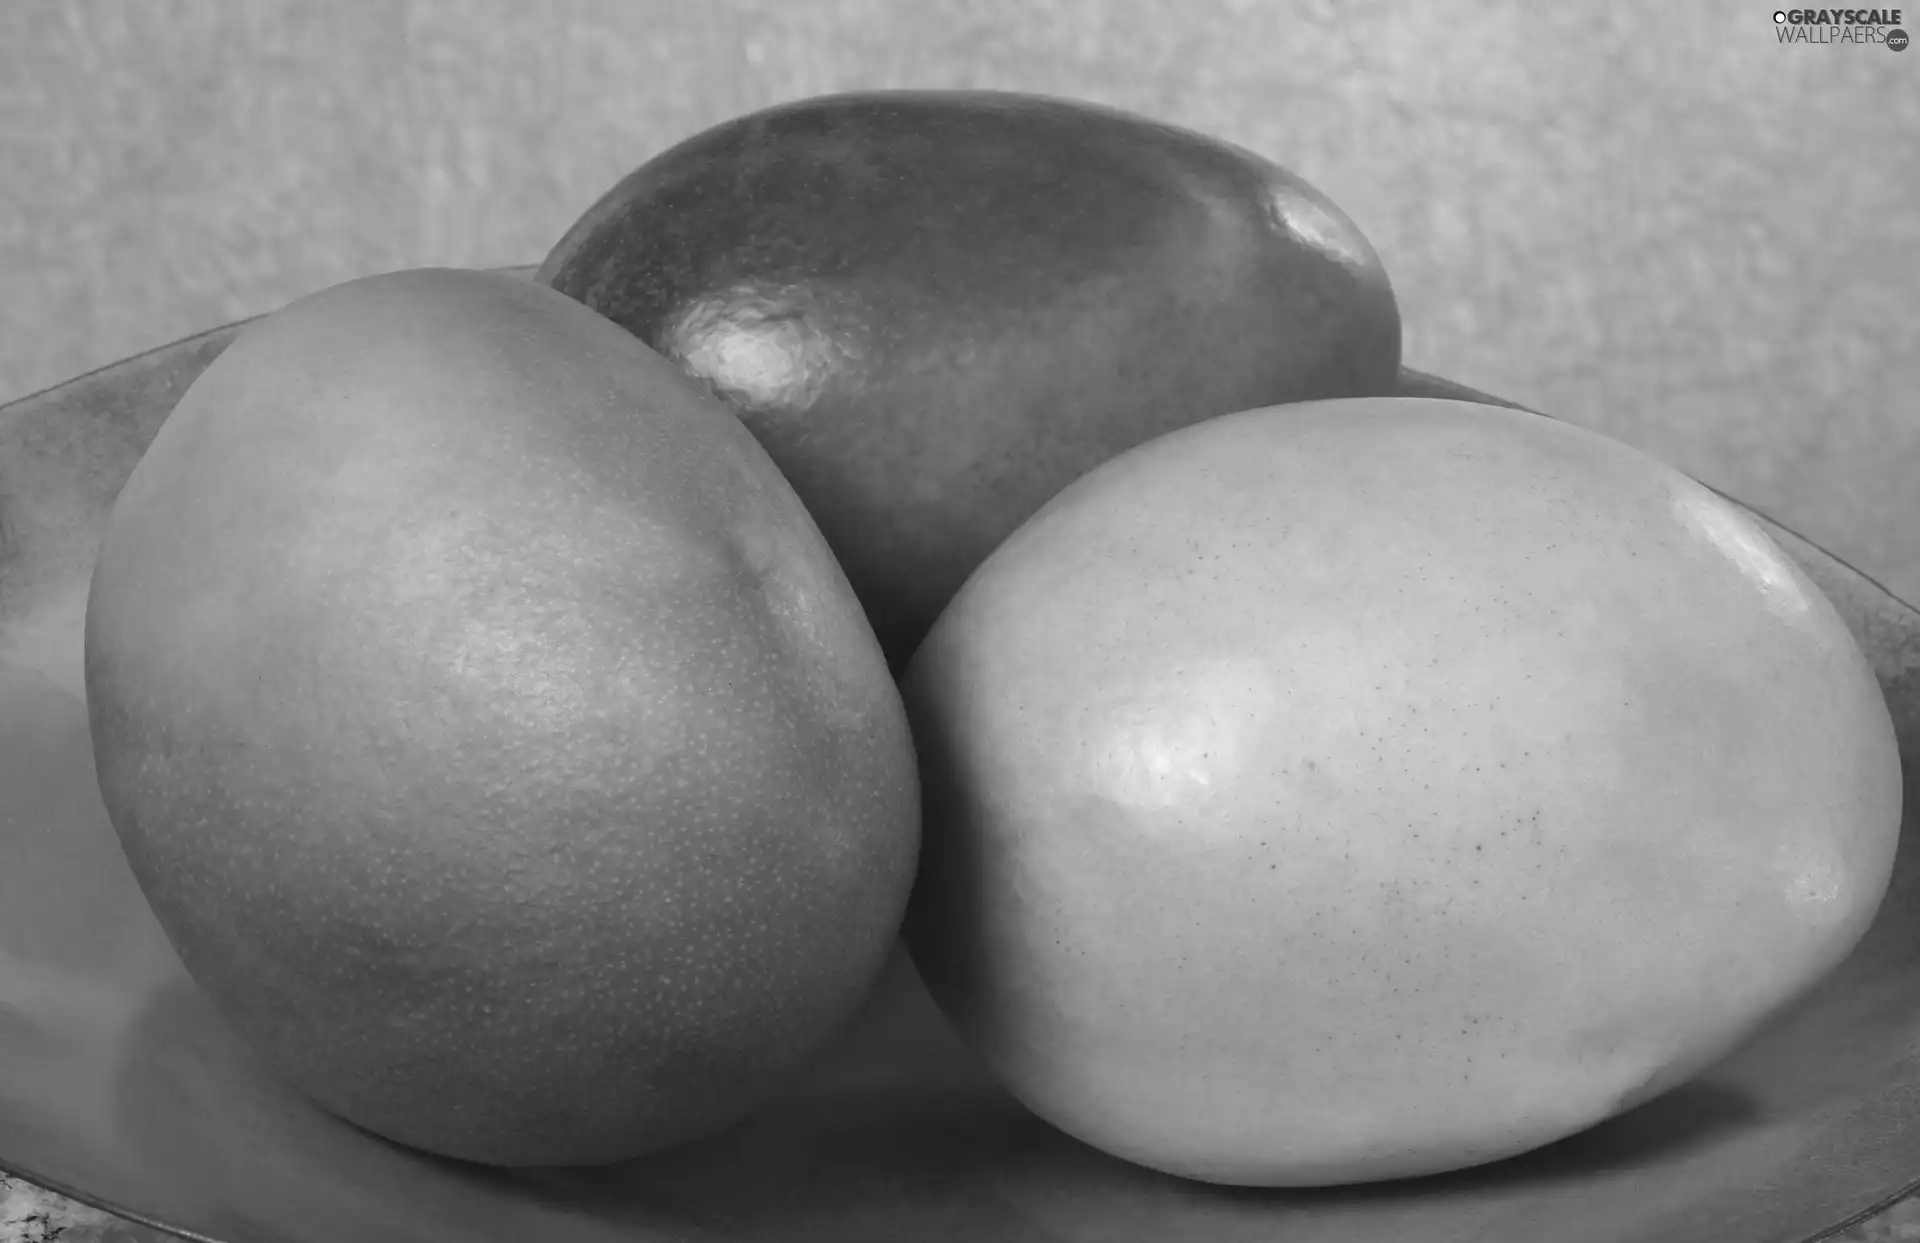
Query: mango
(938, 308)
(1366, 789)
(491, 730)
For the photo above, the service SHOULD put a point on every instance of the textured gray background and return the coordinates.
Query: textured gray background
(1652, 219)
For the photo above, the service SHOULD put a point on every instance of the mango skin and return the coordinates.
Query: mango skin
(1369, 789)
(491, 730)
(938, 308)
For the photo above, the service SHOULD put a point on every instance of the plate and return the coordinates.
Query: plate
(120, 1087)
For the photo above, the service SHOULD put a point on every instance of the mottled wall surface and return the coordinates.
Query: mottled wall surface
(1653, 219)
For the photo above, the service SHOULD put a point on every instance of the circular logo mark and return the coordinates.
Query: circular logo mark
(1897, 39)
(1779, 17)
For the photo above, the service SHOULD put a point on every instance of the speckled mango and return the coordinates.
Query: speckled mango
(1368, 789)
(490, 728)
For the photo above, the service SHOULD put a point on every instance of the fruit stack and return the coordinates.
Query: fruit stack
(535, 709)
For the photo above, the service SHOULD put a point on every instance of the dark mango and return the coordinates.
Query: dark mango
(936, 309)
